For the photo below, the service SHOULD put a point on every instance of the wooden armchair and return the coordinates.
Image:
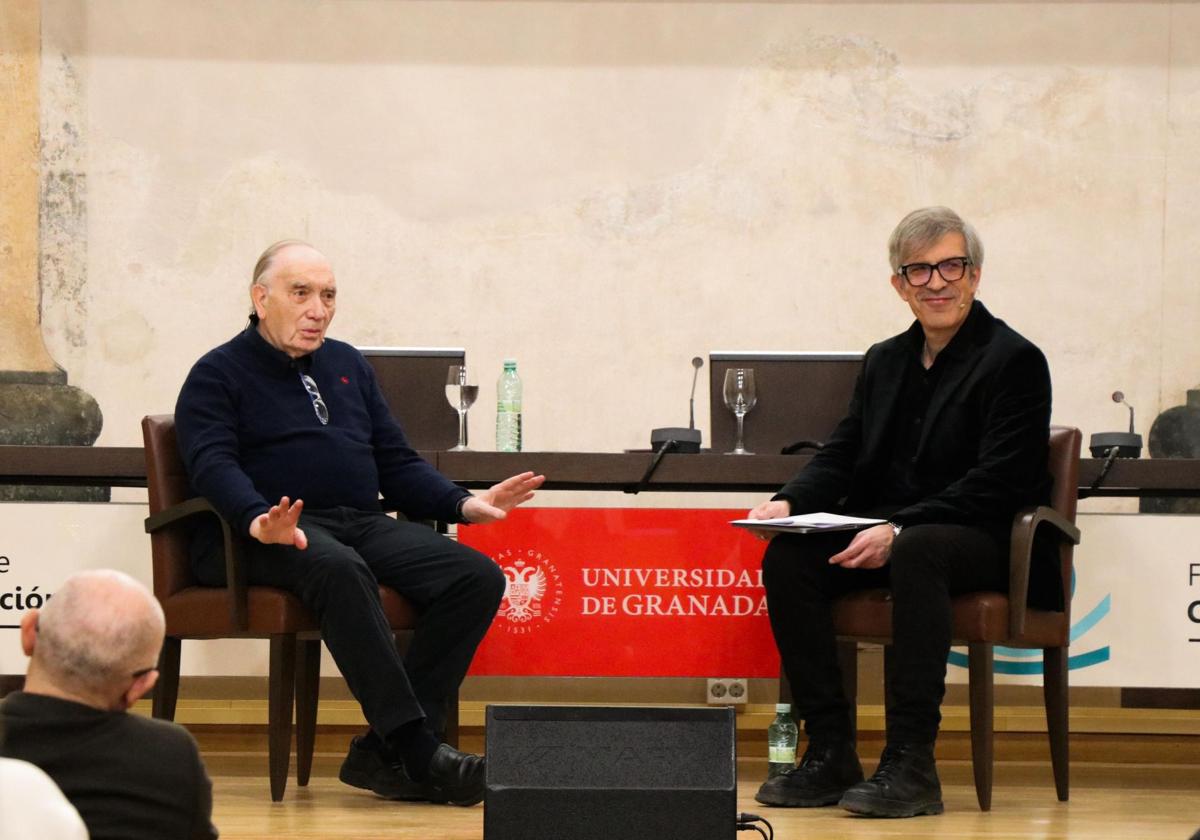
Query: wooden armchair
(983, 620)
(239, 611)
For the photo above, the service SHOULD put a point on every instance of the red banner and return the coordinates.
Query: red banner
(626, 592)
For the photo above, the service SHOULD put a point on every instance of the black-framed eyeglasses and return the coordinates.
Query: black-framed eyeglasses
(315, 394)
(952, 269)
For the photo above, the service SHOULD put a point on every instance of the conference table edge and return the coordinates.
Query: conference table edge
(125, 466)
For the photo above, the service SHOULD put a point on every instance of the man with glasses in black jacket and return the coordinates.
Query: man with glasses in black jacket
(945, 439)
(286, 433)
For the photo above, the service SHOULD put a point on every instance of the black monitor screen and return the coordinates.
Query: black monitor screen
(800, 396)
(413, 381)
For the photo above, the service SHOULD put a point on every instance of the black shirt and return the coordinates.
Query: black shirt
(900, 485)
(129, 777)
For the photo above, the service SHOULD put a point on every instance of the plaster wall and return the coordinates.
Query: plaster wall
(604, 189)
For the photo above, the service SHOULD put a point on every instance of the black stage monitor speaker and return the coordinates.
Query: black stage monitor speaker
(597, 773)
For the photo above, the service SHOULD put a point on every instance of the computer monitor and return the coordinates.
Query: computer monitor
(413, 381)
(801, 396)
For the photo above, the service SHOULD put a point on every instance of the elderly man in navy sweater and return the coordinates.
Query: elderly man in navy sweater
(286, 433)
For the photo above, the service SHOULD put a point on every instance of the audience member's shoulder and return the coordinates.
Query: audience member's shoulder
(32, 807)
(166, 733)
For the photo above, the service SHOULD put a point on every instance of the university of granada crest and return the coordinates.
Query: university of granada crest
(532, 590)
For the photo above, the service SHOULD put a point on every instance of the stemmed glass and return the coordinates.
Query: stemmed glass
(461, 396)
(739, 398)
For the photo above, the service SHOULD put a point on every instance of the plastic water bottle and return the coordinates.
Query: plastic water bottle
(508, 409)
(782, 735)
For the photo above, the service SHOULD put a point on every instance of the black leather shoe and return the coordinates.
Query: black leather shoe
(371, 769)
(456, 777)
(905, 785)
(823, 775)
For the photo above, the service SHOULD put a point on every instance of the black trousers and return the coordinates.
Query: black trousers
(928, 565)
(455, 588)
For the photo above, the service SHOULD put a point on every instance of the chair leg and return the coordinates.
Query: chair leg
(166, 690)
(981, 676)
(308, 686)
(1054, 688)
(282, 681)
(848, 663)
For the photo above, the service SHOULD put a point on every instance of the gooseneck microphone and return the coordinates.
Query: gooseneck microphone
(1119, 398)
(681, 440)
(697, 363)
(1111, 445)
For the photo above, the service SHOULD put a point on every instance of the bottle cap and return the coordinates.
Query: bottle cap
(510, 363)
(783, 708)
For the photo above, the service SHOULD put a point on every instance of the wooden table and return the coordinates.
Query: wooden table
(121, 466)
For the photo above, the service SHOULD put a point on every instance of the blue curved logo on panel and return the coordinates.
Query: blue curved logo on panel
(1022, 661)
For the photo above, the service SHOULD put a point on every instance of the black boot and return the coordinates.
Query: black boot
(824, 773)
(904, 785)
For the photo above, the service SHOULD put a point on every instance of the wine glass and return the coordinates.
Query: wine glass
(461, 396)
(739, 398)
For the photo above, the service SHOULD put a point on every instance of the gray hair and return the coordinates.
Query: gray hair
(97, 629)
(921, 228)
(265, 260)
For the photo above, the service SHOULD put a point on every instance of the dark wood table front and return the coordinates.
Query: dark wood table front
(87, 466)
(124, 466)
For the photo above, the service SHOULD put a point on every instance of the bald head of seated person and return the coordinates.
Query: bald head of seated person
(92, 652)
(284, 430)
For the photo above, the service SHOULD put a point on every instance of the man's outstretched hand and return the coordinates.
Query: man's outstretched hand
(278, 525)
(495, 502)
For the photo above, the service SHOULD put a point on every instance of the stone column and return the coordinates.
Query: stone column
(37, 406)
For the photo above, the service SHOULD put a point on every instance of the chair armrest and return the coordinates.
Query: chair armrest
(177, 513)
(1024, 529)
(235, 568)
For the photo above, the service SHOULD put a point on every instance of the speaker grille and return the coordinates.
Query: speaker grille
(589, 772)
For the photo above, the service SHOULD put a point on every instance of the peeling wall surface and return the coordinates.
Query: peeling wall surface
(603, 190)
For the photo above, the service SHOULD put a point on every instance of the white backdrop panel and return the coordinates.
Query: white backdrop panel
(1136, 611)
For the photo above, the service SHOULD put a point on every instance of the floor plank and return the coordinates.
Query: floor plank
(1130, 801)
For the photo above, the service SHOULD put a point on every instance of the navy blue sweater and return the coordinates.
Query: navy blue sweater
(249, 434)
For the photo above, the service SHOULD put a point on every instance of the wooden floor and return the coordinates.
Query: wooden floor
(1130, 801)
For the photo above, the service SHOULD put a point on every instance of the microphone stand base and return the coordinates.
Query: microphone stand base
(1127, 444)
(686, 440)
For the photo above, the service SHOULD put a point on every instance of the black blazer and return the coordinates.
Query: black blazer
(983, 448)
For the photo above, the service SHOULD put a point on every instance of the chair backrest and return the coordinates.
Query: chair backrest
(1063, 465)
(167, 485)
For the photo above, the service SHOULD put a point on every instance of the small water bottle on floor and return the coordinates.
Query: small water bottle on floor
(782, 735)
